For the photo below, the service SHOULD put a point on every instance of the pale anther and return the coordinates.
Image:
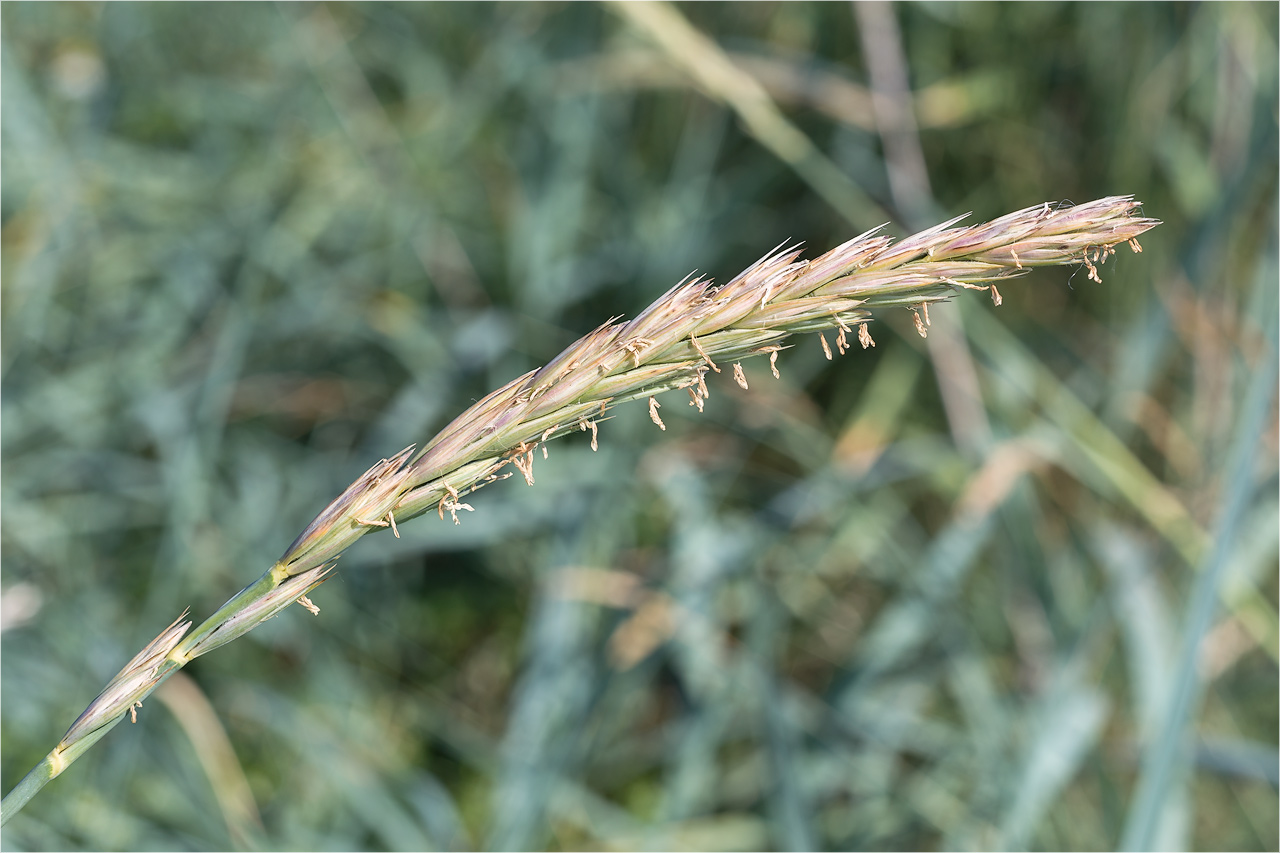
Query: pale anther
(697, 346)
(653, 414)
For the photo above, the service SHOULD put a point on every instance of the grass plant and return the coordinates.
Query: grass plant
(671, 345)
(1012, 585)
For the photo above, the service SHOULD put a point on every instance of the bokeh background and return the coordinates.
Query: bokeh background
(1011, 586)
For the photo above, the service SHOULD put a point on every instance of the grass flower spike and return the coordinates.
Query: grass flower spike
(692, 330)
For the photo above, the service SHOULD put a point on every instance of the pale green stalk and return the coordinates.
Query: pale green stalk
(693, 329)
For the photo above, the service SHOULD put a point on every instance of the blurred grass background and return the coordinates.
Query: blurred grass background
(1012, 586)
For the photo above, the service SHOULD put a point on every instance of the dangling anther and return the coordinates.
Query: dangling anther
(697, 346)
(1093, 271)
(695, 399)
(452, 506)
(653, 414)
(522, 458)
(636, 346)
